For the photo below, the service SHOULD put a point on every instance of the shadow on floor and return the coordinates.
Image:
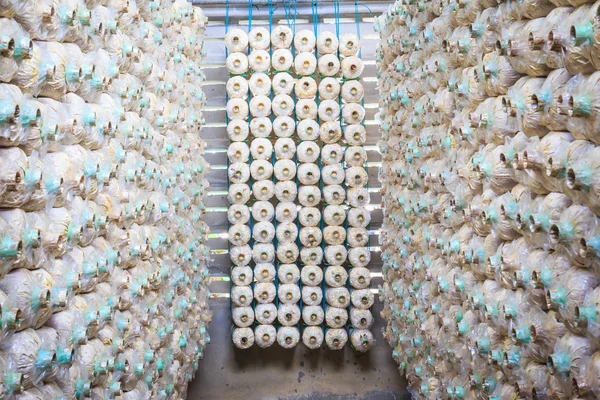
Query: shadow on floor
(298, 374)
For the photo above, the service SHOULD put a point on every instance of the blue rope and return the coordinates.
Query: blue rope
(336, 10)
(249, 15)
(295, 15)
(271, 22)
(287, 8)
(287, 15)
(315, 16)
(357, 26)
(226, 16)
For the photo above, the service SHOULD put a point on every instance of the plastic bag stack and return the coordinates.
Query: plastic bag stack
(309, 191)
(488, 115)
(287, 122)
(103, 267)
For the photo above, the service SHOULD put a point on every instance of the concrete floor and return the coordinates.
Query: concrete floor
(299, 374)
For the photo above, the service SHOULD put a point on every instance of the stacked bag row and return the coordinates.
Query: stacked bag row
(280, 180)
(103, 267)
(490, 239)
